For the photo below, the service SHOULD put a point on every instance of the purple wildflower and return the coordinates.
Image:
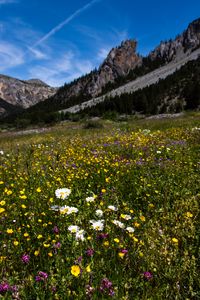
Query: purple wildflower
(55, 230)
(90, 252)
(4, 287)
(102, 236)
(124, 251)
(43, 275)
(25, 258)
(148, 275)
(57, 245)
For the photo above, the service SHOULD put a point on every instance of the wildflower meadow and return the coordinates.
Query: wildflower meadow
(101, 213)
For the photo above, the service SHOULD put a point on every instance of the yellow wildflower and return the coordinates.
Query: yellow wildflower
(116, 240)
(188, 214)
(175, 240)
(75, 270)
(2, 210)
(88, 269)
(142, 218)
(9, 231)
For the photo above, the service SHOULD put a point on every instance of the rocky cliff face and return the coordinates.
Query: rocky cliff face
(23, 94)
(119, 62)
(188, 41)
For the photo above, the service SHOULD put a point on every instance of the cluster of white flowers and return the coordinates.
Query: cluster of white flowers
(119, 224)
(62, 193)
(90, 199)
(55, 207)
(130, 229)
(112, 207)
(68, 210)
(79, 233)
(1, 152)
(97, 225)
(73, 228)
(99, 213)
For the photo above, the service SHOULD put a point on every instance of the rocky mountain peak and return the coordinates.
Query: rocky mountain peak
(122, 59)
(23, 93)
(188, 41)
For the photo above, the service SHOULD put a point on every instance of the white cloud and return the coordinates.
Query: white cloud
(65, 69)
(103, 52)
(10, 56)
(38, 54)
(7, 1)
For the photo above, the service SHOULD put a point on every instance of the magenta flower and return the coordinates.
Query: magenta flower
(25, 258)
(148, 275)
(42, 276)
(90, 252)
(55, 230)
(4, 287)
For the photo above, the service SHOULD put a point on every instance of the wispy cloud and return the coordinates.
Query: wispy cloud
(103, 52)
(64, 69)
(65, 22)
(8, 1)
(38, 54)
(10, 56)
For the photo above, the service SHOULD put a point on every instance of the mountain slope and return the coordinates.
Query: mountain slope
(22, 94)
(140, 83)
(123, 66)
(178, 91)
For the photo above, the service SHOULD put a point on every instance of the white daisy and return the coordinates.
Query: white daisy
(73, 228)
(112, 207)
(97, 225)
(119, 224)
(99, 213)
(130, 229)
(62, 193)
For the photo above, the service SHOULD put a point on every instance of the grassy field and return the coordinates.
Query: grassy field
(99, 213)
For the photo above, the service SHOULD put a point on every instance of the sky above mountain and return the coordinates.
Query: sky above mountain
(58, 41)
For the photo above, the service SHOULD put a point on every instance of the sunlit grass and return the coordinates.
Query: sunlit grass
(110, 212)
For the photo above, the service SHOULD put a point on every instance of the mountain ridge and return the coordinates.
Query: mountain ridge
(123, 65)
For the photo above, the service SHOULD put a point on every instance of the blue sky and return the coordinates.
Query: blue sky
(59, 40)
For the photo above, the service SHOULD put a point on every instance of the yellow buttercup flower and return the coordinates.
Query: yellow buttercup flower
(188, 214)
(175, 240)
(88, 269)
(36, 253)
(9, 231)
(75, 270)
(106, 243)
(116, 240)
(2, 203)
(2, 210)
(121, 254)
(142, 218)
(16, 243)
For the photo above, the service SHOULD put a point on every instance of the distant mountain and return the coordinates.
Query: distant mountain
(123, 66)
(124, 71)
(21, 94)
